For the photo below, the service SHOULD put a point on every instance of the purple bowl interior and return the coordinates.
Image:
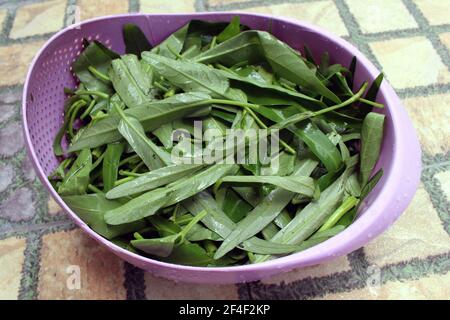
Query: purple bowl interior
(43, 116)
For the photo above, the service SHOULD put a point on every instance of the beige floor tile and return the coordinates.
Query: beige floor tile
(436, 11)
(164, 6)
(11, 260)
(53, 207)
(430, 118)
(161, 289)
(73, 266)
(337, 265)
(435, 287)
(418, 233)
(444, 180)
(224, 2)
(13, 71)
(91, 9)
(39, 18)
(322, 13)
(381, 15)
(410, 62)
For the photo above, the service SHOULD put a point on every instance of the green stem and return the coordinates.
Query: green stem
(97, 162)
(74, 110)
(160, 86)
(92, 93)
(129, 159)
(99, 74)
(372, 103)
(306, 115)
(88, 110)
(263, 125)
(140, 164)
(129, 173)
(94, 189)
(122, 181)
(346, 206)
(194, 221)
(176, 54)
(213, 42)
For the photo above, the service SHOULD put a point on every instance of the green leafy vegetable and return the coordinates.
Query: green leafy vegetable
(219, 146)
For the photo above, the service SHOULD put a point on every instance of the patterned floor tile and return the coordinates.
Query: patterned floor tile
(91, 9)
(163, 6)
(322, 13)
(53, 207)
(444, 180)
(16, 68)
(431, 287)
(381, 15)
(6, 176)
(430, 117)
(39, 18)
(71, 263)
(11, 139)
(436, 11)
(11, 260)
(161, 289)
(20, 205)
(418, 233)
(410, 62)
(334, 266)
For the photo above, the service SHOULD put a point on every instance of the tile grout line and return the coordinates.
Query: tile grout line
(430, 34)
(356, 34)
(133, 6)
(251, 4)
(134, 282)
(434, 190)
(31, 267)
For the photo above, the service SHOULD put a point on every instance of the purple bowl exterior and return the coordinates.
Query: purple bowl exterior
(401, 154)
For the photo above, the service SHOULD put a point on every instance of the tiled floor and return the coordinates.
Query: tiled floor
(42, 255)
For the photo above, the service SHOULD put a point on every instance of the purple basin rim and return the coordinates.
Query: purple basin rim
(386, 206)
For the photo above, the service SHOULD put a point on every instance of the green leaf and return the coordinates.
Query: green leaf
(175, 42)
(77, 179)
(284, 61)
(161, 247)
(371, 139)
(264, 213)
(189, 76)
(220, 223)
(111, 164)
(234, 206)
(151, 116)
(164, 134)
(135, 40)
(296, 184)
(153, 157)
(233, 29)
(95, 55)
(130, 81)
(153, 179)
(150, 202)
(371, 94)
(271, 89)
(91, 209)
(308, 219)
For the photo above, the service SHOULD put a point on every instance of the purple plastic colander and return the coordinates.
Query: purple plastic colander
(42, 112)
